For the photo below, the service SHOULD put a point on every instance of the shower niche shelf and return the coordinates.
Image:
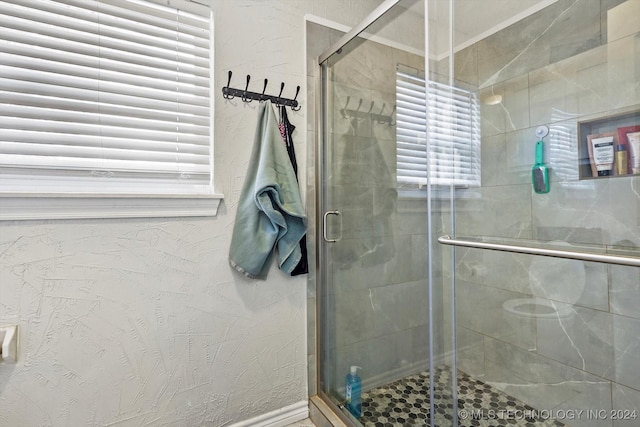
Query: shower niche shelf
(614, 125)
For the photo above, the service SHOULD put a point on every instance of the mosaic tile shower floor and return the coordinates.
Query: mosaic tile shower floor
(406, 403)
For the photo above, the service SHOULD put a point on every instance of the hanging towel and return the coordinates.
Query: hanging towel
(286, 130)
(270, 212)
(366, 194)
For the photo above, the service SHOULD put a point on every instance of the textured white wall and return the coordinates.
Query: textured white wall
(141, 322)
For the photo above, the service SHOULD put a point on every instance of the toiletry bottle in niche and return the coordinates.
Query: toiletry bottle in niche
(602, 153)
(353, 392)
(622, 164)
(634, 151)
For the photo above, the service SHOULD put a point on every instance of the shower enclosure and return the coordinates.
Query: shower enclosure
(467, 294)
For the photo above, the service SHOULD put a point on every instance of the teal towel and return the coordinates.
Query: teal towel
(270, 212)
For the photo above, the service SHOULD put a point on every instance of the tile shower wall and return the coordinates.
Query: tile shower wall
(566, 64)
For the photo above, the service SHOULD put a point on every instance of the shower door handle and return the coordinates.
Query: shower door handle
(324, 226)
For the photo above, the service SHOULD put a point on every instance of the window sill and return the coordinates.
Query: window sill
(25, 206)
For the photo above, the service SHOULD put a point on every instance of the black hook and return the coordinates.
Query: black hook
(371, 108)
(246, 88)
(299, 107)
(278, 100)
(356, 114)
(391, 122)
(344, 110)
(264, 89)
(225, 95)
(380, 114)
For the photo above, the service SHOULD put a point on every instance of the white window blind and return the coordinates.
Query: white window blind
(453, 126)
(109, 96)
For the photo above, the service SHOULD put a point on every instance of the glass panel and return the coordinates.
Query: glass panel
(375, 276)
(532, 340)
(452, 141)
(547, 341)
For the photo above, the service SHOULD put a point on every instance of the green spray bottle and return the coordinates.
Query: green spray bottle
(540, 171)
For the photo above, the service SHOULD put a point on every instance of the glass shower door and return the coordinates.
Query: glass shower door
(419, 145)
(374, 249)
(546, 340)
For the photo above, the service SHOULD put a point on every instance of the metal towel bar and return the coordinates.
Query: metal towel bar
(577, 255)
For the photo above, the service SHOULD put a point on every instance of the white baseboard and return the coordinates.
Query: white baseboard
(280, 417)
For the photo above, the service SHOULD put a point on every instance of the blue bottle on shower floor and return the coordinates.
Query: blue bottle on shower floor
(353, 392)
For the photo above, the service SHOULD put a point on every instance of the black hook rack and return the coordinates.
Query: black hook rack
(247, 96)
(357, 114)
